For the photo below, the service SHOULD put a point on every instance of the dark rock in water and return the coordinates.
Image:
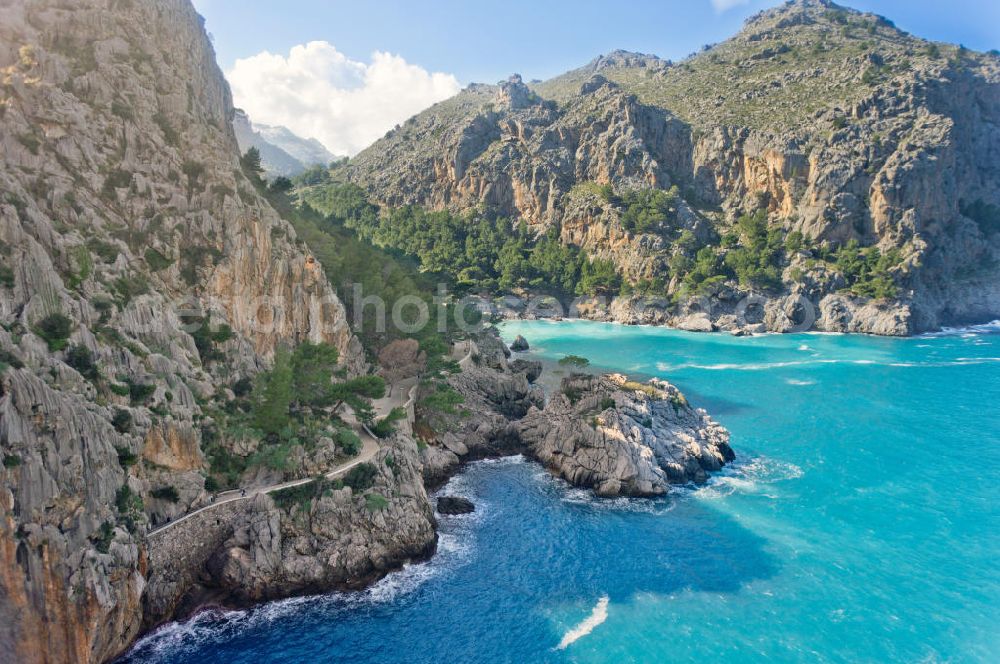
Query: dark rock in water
(454, 505)
(520, 344)
(531, 369)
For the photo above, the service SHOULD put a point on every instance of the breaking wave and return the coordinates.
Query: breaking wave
(598, 615)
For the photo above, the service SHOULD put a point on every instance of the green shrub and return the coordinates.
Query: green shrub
(11, 460)
(106, 251)
(868, 271)
(607, 402)
(645, 210)
(120, 390)
(128, 501)
(756, 258)
(156, 260)
(243, 387)
(573, 394)
(375, 502)
(169, 133)
(211, 484)
(103, 537)
(348, 442)
(6, 276)
(116, 179)
(130, 287)
(168, 493)
(206, 339)
(126, 458)
(443, 399)
(8, 359)
(385, 426)
(574, 361)
(361, 477)
(80, 358)
(139, 393)
(55, 330)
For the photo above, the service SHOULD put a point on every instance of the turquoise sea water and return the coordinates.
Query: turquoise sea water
(861, 522)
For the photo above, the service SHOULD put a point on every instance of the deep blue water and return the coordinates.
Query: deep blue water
(860, 523)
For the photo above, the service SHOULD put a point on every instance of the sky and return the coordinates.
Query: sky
(346, 72)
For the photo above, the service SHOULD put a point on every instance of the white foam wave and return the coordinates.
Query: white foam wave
(587, 497)
(745, 476)
(597, 616)
(970, 330)
(796, 381)
(767, 366)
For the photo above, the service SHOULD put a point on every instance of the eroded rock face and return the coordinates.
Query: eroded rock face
(625, 438)
(495, 393)
(121, 197)
(341, 539)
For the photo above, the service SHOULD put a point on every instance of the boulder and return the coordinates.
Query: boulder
(520, 344)
(531, 369)
(454, 505)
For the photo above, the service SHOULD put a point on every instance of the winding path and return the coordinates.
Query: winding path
(370, 446)
(370, 443)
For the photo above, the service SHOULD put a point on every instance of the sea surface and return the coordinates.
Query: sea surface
(860, 523)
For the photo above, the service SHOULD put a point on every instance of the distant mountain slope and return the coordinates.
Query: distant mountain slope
(307, 151)
(281, 151)
(871, 157)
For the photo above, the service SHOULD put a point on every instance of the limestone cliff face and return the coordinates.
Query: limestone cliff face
(123, 212)
(836, 123)
(342, 538)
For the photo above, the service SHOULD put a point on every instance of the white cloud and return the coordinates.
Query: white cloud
(318, 92)
(725, 5)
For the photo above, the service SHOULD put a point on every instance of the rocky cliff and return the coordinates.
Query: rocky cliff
(873, 155)
(124, 216)
(314, 538)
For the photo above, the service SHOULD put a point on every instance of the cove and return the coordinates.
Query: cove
(859, 523)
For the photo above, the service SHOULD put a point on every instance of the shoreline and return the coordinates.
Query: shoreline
(986, 327)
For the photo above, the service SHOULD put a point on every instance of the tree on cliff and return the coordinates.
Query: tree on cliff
(309, 379)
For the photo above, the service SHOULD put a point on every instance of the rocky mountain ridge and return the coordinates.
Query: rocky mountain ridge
(873, 155)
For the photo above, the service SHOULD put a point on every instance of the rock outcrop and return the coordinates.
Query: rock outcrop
(621, 437)
(328, 536)
(454, 505)
(493, 395)
(839, 127)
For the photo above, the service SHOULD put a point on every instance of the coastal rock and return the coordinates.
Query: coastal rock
(520, 344)
(700, 322)
(454, 505)
(531, 369)
(621, 437)
(335, 538)
(494, 394)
